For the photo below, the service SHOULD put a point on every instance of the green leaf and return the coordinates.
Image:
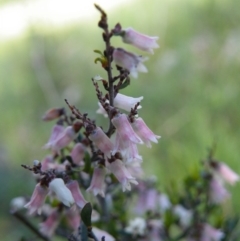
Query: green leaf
(125, 84)
(86, 214)
(99, 52)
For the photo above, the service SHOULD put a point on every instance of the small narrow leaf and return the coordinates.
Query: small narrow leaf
(86, 214)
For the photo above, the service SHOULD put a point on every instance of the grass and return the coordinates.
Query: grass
(191, 93)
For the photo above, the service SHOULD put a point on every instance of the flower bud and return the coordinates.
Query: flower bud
(141, 41)
(53, 114)
(62, 192)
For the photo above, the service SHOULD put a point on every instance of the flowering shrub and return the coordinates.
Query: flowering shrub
(92, 186)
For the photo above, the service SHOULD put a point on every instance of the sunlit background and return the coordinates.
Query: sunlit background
(191, 93)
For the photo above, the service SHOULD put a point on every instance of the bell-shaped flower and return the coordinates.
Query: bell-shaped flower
(78, 153)
(57, 131)
(139, 40)
(126, 102)
(123, 102)
(125, 135)
(132, 62)
(102, 141)
(73, 186)
(48, 227)
(97, 185)
(53, 114)
(122, 174)
(73, 219)
(218, 192)
(62, 192)
(144, 132)
(226, 173)
(185, 216)
(211, 234)
(136, 227)
(37, 200)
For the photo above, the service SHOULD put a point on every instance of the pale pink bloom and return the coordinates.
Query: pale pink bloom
(37, 200)
(61, 137)
(62, 192)
(101, 233)
(125, 135)
(144, 132)
(78, 153)
(132, 62)
(102, 141)
(218, 192)
(48, 227)
(64, 139)
(126, 102)
(97, 185)
(131, 154)
(73, 186)
(46, 163)
(53, 114)
(185, 216)
(139, 40)
(123, 102)
(73, 219)
(136, 227)
(134, 168)
(122, 174)
(211, 234)
(57, 131)
(226, 173)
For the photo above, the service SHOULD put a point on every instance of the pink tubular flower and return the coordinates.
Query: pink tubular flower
(125, 135)
(78, 153)
(122, 174)
(73, 219)
(37, 200)
(97, 185)
(226, 173)
(141, 41)
(48, 227)
(53, 114)
(73, 186)
(62, 192)
(57, 131)
(211, 234)
(46, 162)
(102, 141)
(129, 61)
(218, 193)
(144, 132)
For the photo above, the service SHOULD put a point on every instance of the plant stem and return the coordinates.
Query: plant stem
(25, 221)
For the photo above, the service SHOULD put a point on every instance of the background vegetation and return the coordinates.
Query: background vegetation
(191, 93)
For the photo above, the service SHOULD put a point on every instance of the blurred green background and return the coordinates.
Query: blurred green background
(191, 93)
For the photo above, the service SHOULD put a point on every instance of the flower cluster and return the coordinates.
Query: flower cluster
(81, 184)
